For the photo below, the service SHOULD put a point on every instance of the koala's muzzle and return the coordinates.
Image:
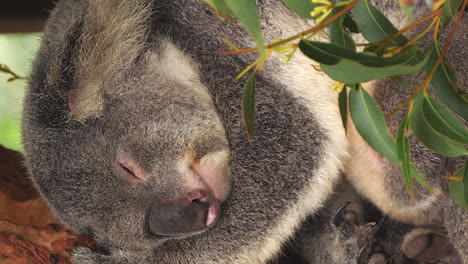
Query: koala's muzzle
(191, 213)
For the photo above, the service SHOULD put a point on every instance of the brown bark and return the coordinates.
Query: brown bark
(31, 245)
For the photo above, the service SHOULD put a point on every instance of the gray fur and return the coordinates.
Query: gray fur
(102, 88)
(144, 79)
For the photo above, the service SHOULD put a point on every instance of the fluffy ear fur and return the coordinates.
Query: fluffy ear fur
(109, 46)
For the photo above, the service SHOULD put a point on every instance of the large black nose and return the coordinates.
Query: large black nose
(190, 213)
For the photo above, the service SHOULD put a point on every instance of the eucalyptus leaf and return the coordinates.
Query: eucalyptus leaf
(317, 52)
(330, 54)
(350, 71)
(444, 83)
(338, 34)
(301, 7)
(404, 155)
(449, 11)
(374, 25)
(407, 7)
(220, 5)
(343, 104)
(430, 137)
(459, 189)
(248, 106)
(443, 121)
(348, 66)
(370, 123)
(246, 11)
(350, 24)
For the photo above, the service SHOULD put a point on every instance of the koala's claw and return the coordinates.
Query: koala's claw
(371, 252)
(345, 220)
(338, 216)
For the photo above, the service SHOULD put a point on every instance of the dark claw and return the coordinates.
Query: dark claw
(346, 221)
(377, 228)
(338, 218)
(363, 257)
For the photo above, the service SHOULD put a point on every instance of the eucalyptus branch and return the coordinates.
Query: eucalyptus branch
(425, 84)
(299, 35)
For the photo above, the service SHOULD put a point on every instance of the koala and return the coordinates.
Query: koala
(133, 133)
(379, 180)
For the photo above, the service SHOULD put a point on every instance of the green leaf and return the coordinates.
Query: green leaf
(343, 104)
(317, 52)
(348, 66)
(459, 189)
(248, 106)
(350, 24)
(219, 5)
(331, 54)
(338, 34)
(404, 155)
(409, 9)
(370, 123)
(444, 83)
(351, 72)
(449, 10)
(246, 11)
(443, 121)
(430, 137)
(301, 7)
(374, 25)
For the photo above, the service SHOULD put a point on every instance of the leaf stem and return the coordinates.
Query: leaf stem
(425, 84)
(299, 35)
(407, 28)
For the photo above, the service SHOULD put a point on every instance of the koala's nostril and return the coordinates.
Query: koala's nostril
(191, 213)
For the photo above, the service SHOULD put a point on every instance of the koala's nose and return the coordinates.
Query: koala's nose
(190, 213)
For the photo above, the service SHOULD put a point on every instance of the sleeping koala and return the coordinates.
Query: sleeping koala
(133, 133)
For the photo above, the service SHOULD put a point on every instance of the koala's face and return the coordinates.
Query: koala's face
(153, 166)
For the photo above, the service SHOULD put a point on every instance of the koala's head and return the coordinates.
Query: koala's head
(130, 149)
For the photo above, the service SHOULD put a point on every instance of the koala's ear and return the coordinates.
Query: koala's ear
(85, 103)
(108, 50)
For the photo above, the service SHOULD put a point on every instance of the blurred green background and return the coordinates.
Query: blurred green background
(17, 52)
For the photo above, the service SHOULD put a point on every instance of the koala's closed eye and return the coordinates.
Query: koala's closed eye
(131, 171)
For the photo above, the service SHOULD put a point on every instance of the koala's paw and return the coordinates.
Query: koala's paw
(345, 220)
(86, 256)
(372, 250)
(427, 246)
